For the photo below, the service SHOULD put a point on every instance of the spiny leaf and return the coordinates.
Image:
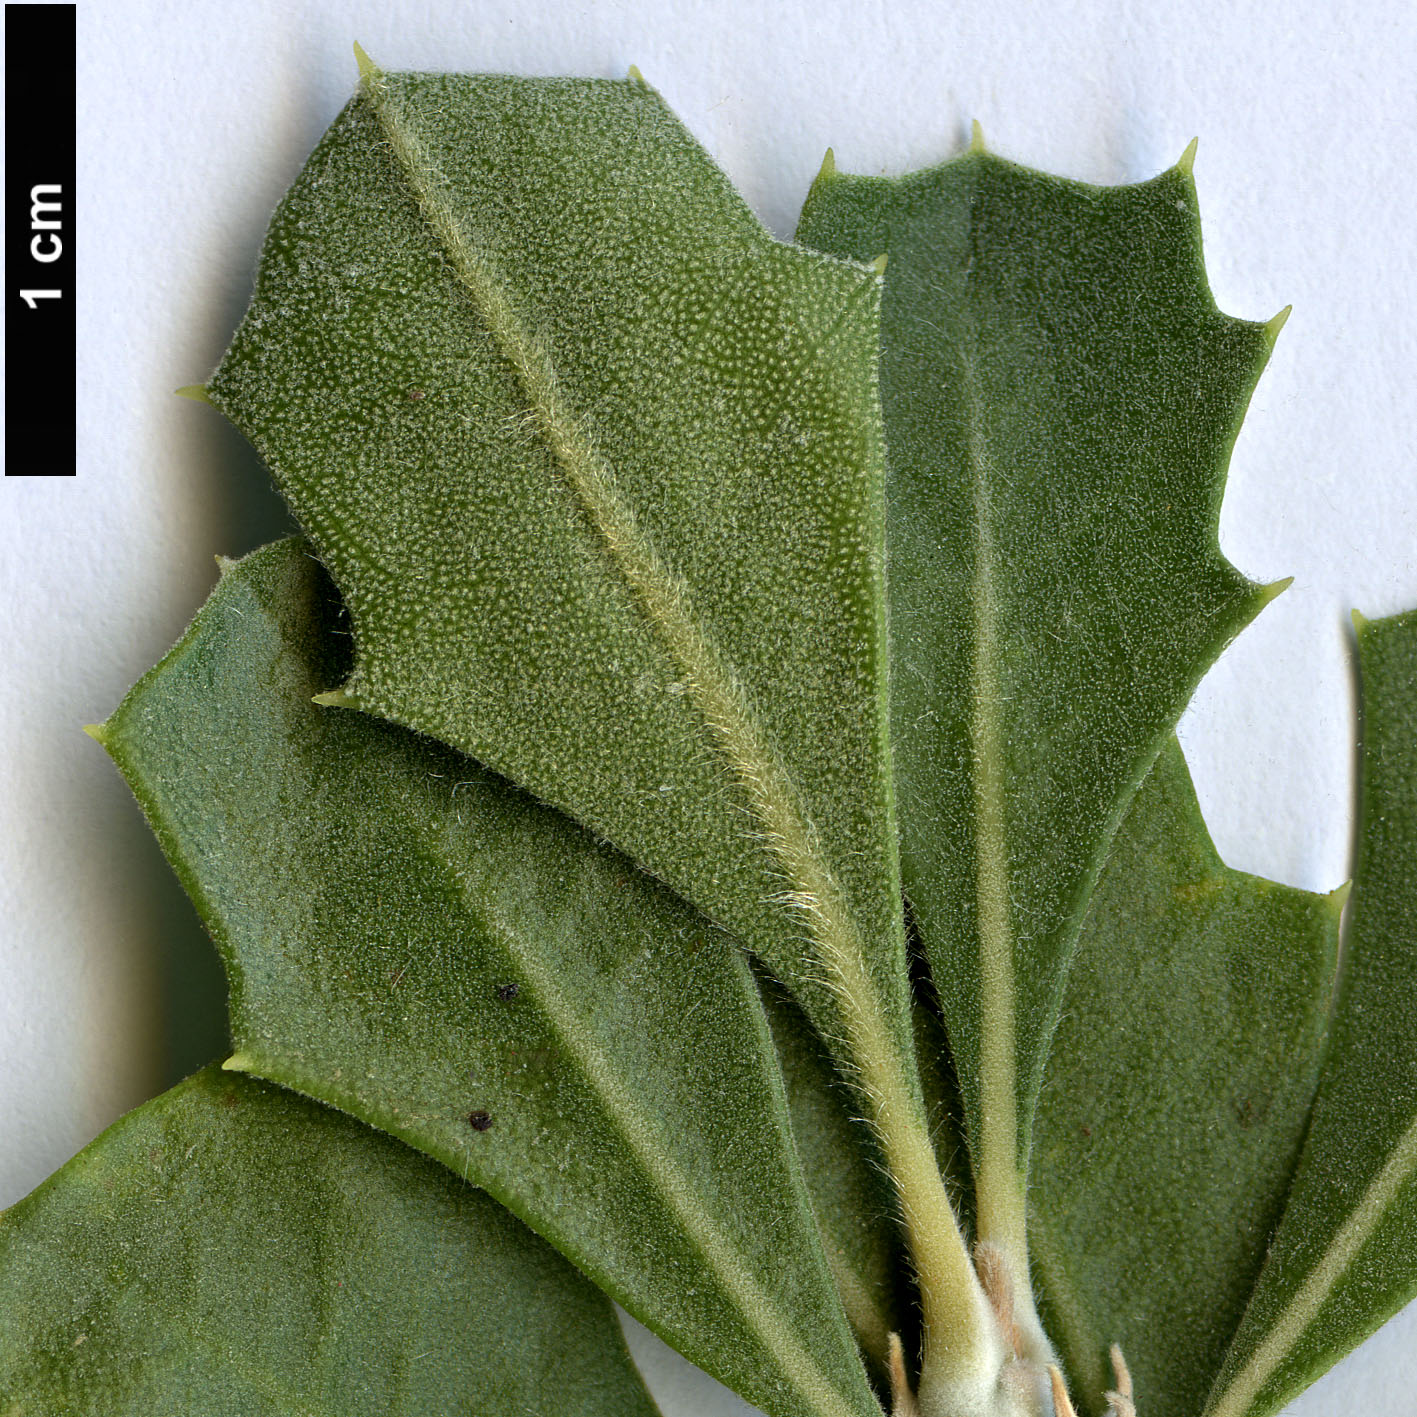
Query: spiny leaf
(414, 941)
(1175, 1101)
(1060, 397)
(596, 464)
(1345, 1256)
(233, 1250)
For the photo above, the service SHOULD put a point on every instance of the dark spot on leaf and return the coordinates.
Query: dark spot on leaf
(479, 1121)
(507, 992)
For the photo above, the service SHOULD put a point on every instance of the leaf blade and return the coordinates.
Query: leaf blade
(1060, 397)
(676, 625)
(415, 942)
(232, 1248)
(1345, 1256)
(628, 548)
(1177, 1096)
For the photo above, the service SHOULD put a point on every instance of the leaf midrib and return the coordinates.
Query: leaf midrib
(785, 832)
(882, 1057)
(999, 1198)
(645, 1139)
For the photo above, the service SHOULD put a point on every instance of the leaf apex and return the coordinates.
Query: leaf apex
(635, 77)
(976, 137)
(196, 392)
(828, 168)
(1360, 621)
(335, 698)
(879, 263)
(238, 1063)
(1338, 896)
(1187, 161)
(98, 732)
(1275, 323)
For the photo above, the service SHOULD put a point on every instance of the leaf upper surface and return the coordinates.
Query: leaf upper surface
(418, 943)
(1345, 1256)
(597, 465)
(1060, 396)
(233, 1250)
(1175, 1101)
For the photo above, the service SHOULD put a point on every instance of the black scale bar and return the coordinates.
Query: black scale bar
(39, 241)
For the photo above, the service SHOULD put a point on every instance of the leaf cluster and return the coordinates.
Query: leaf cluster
(696, 821)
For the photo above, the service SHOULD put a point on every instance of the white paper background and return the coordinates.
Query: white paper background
(194, 116)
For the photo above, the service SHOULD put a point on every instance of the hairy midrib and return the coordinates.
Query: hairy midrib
(1000, 1197)
(884, 1062)
(644, 1139)
(710, 683)
(785, 832)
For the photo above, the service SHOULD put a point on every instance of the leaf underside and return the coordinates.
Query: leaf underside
(597, 465)
(1175, 1101)
(414, 941)
(1345, 1256)
(599, 470)
(1060, 397)
(233, 1250)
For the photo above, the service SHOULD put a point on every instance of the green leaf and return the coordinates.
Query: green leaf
(417, 943)
(596, 464)
(1060, 397)
(1175, 1101)
(1345, 1256)
(233, 1250)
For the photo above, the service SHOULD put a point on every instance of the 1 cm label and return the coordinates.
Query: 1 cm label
(46, 244)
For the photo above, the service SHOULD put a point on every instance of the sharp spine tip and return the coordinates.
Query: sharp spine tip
(976, 137)
(1275, 323)
(368, 69)
(98, 732)
(335, 698)
(1273, 589)
(1187, 160)
(196, 392)
(879, 264)
(237, 1063)
(828, 168)
(636, 77)
(1360, 621)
